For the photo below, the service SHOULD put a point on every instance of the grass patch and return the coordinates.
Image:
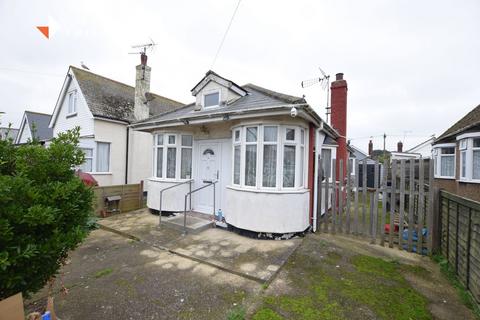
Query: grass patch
(103, 272)
(449, 273)
(372, 285)
(237, 313)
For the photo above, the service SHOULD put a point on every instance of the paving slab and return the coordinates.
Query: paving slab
(252, 257)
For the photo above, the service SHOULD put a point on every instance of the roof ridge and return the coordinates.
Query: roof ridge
(452, 130)
(121, 83)
(274, 94)
(36, 112)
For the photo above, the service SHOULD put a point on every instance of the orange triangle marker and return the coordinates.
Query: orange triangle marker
(43, 30)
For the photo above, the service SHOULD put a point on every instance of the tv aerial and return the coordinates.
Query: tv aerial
(324, 82)
(142, 51)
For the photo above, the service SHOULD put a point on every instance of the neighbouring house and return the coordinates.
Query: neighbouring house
(456, 155)
(261, 148)
(34, 125)
(8, 133)
(103, 109)
(422, 150)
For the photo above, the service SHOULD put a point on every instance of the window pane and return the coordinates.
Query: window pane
(269, 165)
(160, 139)
(290, 134)
(289, 166)
(476, 143)
(270, 134)
(87, 165)
(476, 164)
(250, 165)
(187, 140)
(171, 139)
(103, 157)
(236, 165)
(252, 134)
(302, 136)
(326, 162)
(186, 167)
(448, 150)
(447, 166)
(159, 162)
(171, 162)
(302, 155)
(463, 157)
(88, 152)
(211, 99)
(237, 135)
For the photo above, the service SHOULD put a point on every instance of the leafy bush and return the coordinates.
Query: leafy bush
(44, 211)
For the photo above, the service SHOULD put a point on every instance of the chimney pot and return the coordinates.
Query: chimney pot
(370, 147)
(143, 59)
(339, 76)
(399, 146)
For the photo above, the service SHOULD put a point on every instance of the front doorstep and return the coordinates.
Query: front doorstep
(195, 223)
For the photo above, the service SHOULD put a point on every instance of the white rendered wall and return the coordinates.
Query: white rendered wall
(267, 212)
(116, 135)
(140, 156)
(172, 200)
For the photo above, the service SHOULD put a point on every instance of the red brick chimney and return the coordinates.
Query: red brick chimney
(399, 146)
(370, 147)
(339, 120)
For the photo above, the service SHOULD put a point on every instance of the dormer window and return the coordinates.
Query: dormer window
(211, 99)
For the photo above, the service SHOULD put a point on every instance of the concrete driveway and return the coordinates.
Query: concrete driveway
(135, 271)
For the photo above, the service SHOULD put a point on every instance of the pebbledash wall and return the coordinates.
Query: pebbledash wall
(463, 189)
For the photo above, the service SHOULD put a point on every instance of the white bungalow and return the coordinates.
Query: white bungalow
(256, 144)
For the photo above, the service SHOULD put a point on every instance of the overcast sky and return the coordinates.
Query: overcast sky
(412, 66)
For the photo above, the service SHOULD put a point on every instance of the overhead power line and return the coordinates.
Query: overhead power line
(225, 34)
(33, 72)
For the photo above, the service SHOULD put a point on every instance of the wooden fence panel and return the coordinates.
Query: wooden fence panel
(131, 194)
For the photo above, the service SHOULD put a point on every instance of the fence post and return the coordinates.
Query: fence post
(421, 209)
(319, 194)
(393, 203)
(375, 204)
(334, 197)
(357, 177)
(348, 211)
(327, 200)
(364, 195)
(384, 202)
(411, 200)
(469, 239)
(402, 204)
(340, 197)
(433, 213)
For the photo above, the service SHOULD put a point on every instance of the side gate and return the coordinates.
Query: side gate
(396, 211)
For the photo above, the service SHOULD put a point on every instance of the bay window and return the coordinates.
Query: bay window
(173, 156)
(269, 156)
(469, 146)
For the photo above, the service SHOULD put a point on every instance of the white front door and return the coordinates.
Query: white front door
(209, 160)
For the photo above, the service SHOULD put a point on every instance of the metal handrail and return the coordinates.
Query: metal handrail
(212, 183)
(171, 187)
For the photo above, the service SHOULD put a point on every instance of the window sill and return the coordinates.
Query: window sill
(444, 178)
(166, 180)
(254, 190)
(71, 115)
(469, 181)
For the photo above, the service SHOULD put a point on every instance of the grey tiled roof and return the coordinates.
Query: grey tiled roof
(38, 123)
(257, 98)
(8, 133)
(111, 99)
(470, 120)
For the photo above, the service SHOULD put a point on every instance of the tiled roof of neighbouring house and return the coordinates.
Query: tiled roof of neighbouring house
(470, 120)
(8, 133)
(38, 123)
(257, 98)
(111, 99)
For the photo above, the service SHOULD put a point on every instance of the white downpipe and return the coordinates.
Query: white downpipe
(319, 138)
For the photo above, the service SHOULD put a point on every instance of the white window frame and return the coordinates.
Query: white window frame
(437, 154)
(206, 93)
(466, 147)
(109, 171)
(88, 157)
(281, 142)
(72, 107)
(178, 158)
